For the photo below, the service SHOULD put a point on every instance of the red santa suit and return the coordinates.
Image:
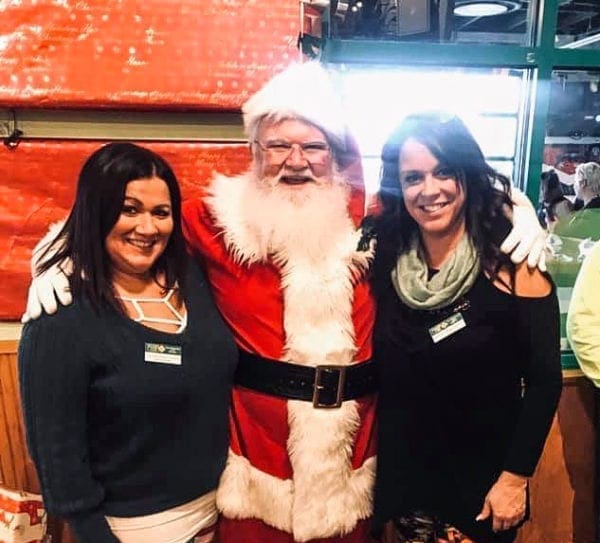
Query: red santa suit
(295, 472)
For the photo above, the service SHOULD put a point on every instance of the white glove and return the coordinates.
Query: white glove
(527, 239)
(49, 286)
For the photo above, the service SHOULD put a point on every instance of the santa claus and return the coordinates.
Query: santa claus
(280, 250)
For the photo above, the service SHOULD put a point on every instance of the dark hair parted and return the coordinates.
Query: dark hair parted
(98, 203)
(487, 191)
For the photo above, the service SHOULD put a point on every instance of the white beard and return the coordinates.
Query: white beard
(298, 222)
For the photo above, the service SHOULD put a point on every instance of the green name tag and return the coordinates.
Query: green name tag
(447, 327)
(162, 353)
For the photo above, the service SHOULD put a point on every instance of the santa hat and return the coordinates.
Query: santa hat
(303, 91)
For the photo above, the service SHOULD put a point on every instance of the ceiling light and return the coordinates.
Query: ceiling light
(485, 8)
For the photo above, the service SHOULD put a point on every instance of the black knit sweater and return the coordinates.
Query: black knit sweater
(113, 434)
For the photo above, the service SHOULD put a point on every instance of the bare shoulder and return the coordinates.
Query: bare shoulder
(529, 283)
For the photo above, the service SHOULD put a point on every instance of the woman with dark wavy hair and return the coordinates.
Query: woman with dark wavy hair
(467, 342)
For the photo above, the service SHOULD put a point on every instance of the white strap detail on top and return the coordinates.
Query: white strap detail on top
(179, 319)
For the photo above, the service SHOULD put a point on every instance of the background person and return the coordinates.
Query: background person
(574, 235)
(125, 391)
(459, 328)
(554, 205)
(583, 331)
(583, 320)
(584, 223)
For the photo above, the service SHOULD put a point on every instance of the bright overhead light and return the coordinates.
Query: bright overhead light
(485, 8)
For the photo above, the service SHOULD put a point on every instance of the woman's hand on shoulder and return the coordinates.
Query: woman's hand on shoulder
(505, 502)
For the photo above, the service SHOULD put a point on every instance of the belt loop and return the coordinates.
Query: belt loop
(318, 386)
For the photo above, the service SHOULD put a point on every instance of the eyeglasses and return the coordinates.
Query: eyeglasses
(314, 152)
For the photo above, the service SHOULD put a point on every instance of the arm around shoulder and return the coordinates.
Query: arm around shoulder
(528, 282)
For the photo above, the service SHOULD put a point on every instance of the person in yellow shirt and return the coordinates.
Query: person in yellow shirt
(583, 319)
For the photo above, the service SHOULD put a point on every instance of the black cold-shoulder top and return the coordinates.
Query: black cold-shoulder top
(455, 413)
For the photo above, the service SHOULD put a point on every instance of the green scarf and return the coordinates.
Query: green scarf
(455, 277)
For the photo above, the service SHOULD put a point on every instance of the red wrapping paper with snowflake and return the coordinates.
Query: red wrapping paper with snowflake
(157, 53)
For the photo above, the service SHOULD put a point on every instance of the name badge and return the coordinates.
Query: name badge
(162, 353)
(447, 327)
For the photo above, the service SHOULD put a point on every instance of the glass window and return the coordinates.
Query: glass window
(569, 202)
(458, 21)
(488, 101)
(578, 24)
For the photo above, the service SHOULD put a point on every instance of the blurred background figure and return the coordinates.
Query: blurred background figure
(583, 330)
(555, 205)
(585, 223)
(573, 236)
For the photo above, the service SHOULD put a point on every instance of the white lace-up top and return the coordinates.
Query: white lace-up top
(179, 319)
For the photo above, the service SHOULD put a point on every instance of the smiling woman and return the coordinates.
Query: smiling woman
(142, 231)
(141, 346)
(466, 340)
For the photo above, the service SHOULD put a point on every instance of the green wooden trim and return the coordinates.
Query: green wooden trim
(546, 27)
(576, 58)
(568, 361)
(375, 52)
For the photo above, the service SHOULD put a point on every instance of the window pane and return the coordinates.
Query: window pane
(578, 24)
(458, 21)
(572, 139)
(376, 99)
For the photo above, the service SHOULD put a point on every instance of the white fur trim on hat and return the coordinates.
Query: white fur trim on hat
(302, 91)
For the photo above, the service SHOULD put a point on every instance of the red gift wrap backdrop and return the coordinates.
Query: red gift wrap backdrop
(122, 54)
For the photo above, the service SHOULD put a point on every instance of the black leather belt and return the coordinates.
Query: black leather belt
(326, 386)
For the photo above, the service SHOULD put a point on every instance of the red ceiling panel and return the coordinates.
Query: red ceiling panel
(156, 53)
(38, 185)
